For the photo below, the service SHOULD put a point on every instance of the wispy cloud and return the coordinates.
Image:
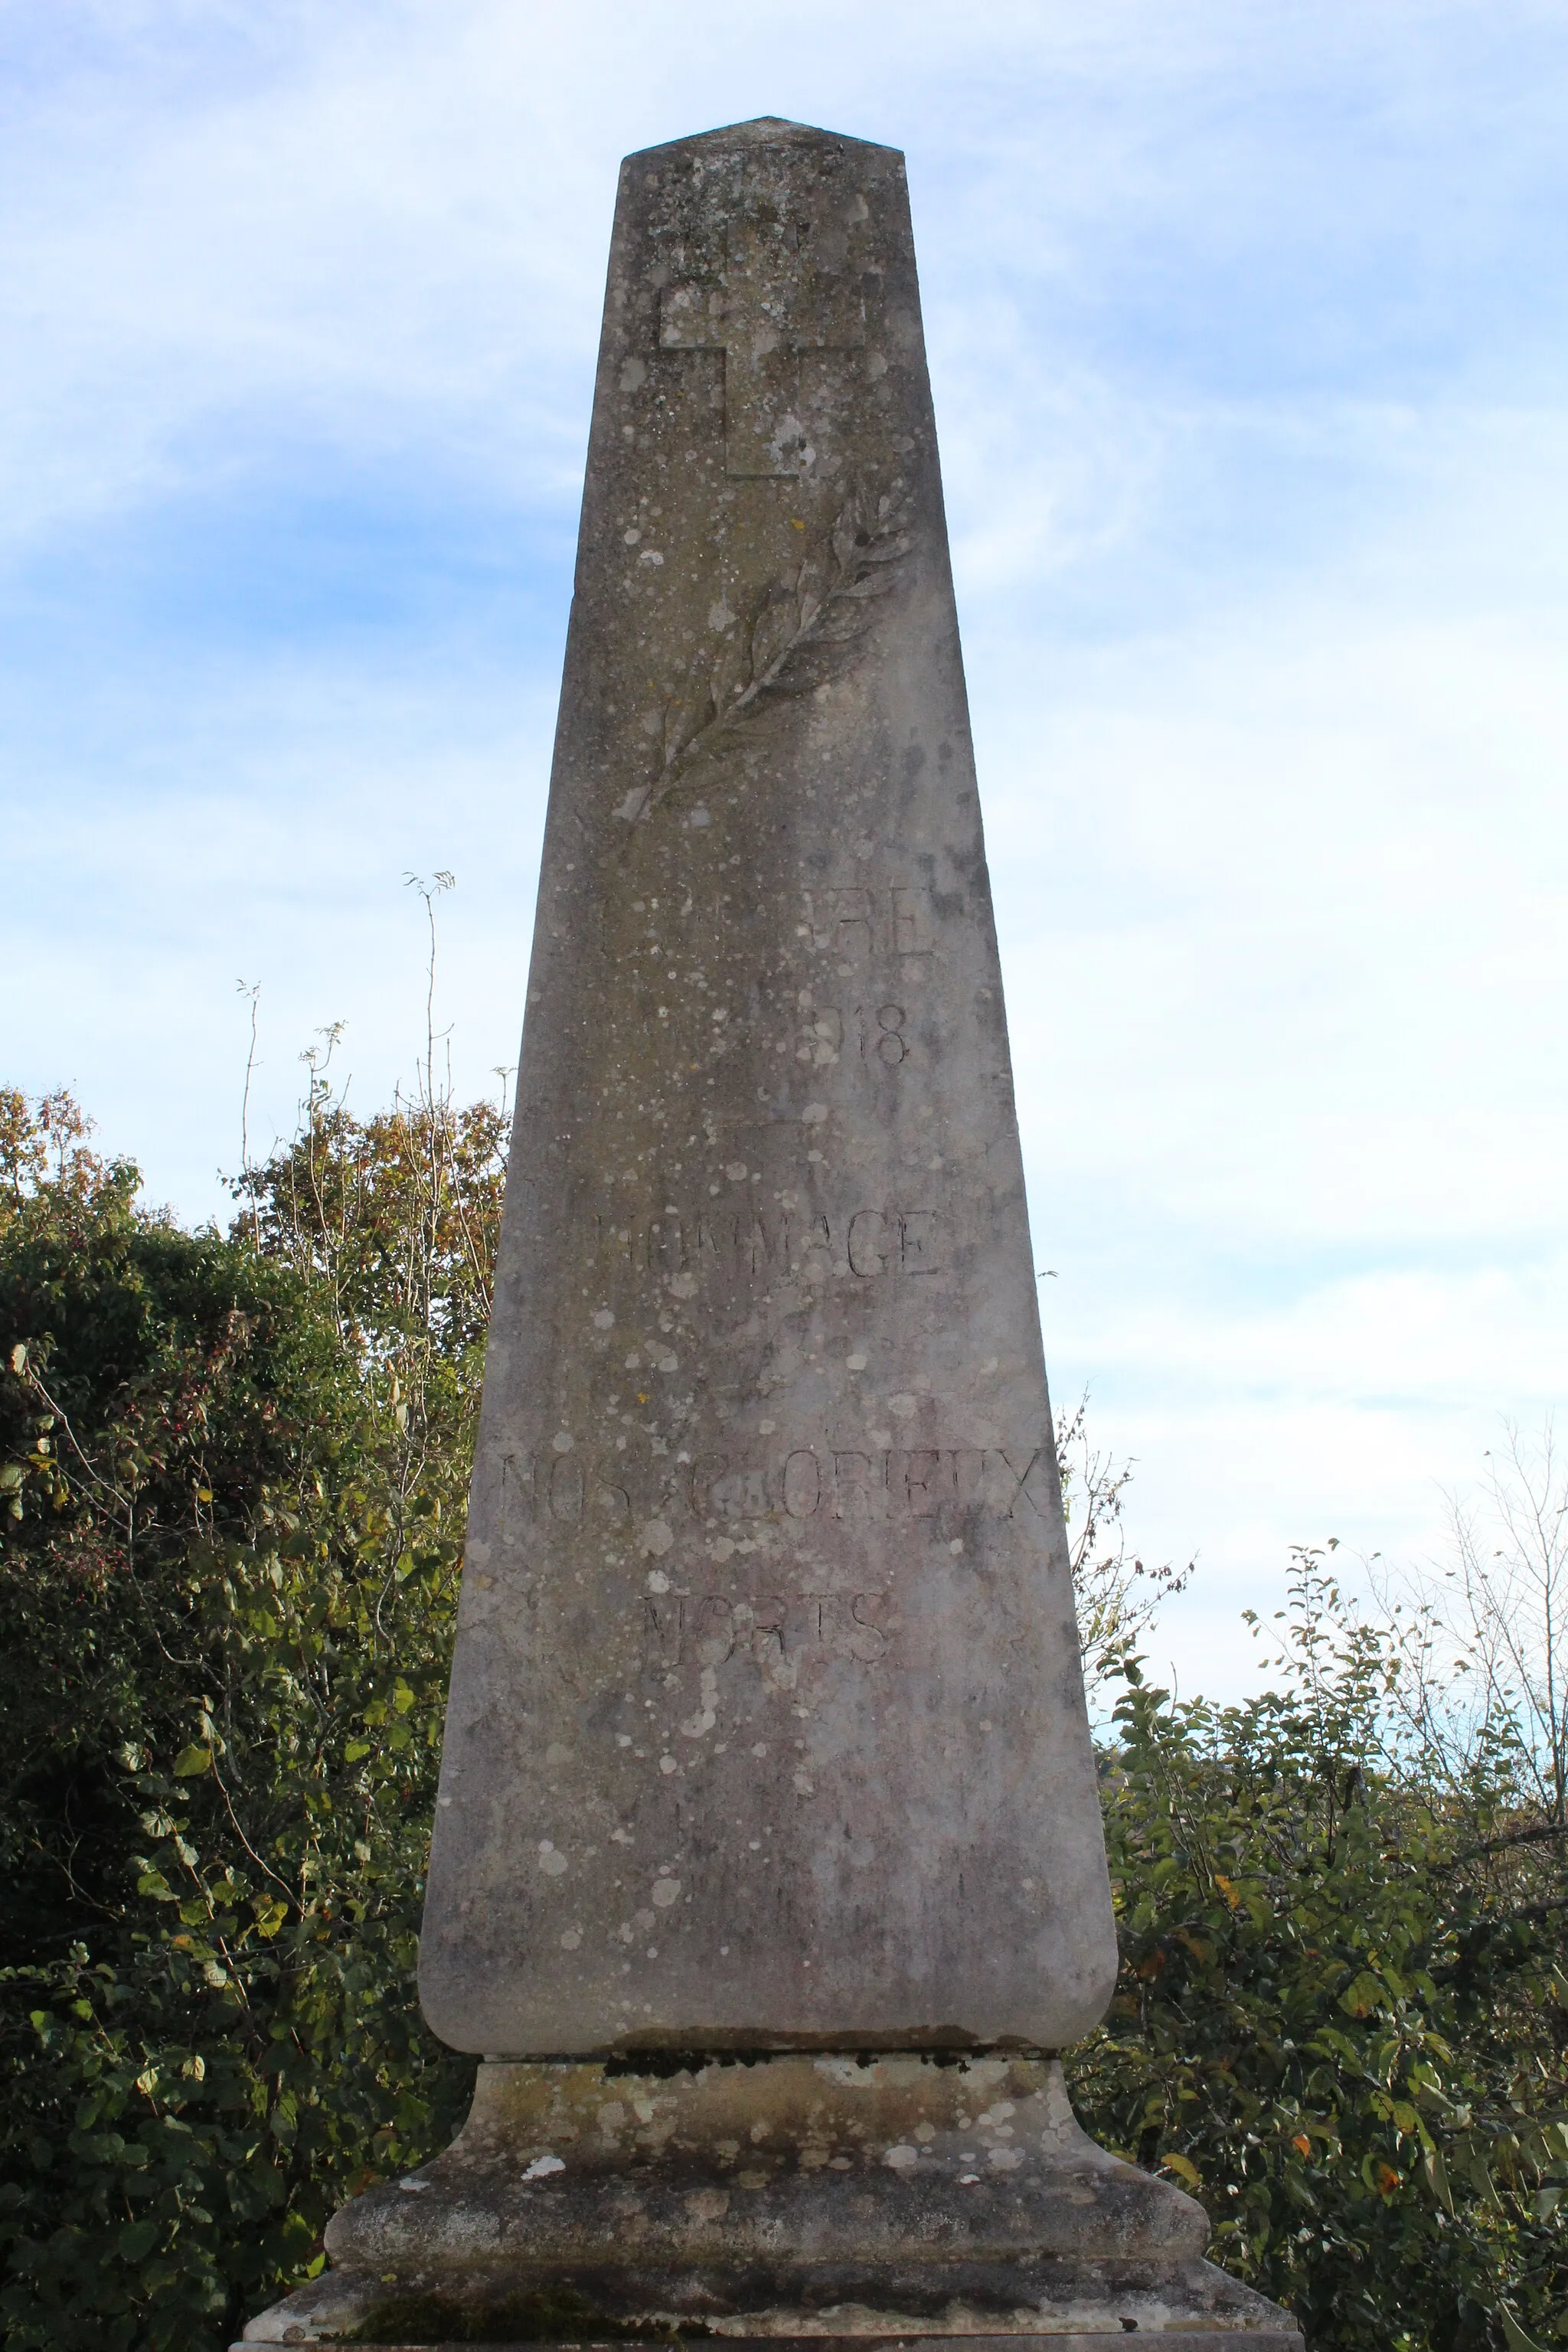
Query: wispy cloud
(1247, 335)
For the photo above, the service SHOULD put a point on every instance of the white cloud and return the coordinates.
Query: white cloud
(1246, 344)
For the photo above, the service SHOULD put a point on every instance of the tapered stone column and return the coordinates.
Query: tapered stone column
(767, 1870)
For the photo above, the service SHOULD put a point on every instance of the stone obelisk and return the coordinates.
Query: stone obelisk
(767, 1740)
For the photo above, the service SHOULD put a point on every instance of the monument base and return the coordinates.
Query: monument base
(876, 2198)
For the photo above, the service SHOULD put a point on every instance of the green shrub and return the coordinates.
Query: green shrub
(1341, 2019)
(233, 1475)
(233, 1491)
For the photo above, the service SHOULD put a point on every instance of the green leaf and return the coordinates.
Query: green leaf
(1437, 2175)
(1361, 1996)
(189, 1761)
(1514, 2336)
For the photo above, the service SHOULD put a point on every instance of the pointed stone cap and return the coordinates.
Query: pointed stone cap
(764, 131)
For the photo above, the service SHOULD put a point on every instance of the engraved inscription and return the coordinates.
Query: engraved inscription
(750, 1242)
(711, 1628)
(800, 1485)
(861, 923)
(869, 1032)
(886, 1039)
(867, 1484)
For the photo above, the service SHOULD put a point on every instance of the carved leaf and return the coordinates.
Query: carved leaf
(729, 672)
(875, 584)
(828, 602)
(681, 723)
(890, 551)
(776, 626)
(845, 530)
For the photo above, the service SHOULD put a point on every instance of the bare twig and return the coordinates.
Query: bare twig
(1117, 1596)
(252, 992)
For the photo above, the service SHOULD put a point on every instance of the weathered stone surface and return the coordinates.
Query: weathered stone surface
(766, 1726)
(767, 1732)
(810, 2196)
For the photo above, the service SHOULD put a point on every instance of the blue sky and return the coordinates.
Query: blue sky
(1247, 331)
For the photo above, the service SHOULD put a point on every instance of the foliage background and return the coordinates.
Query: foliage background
(232, 1471)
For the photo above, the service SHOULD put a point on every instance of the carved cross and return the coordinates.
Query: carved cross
(772, 308)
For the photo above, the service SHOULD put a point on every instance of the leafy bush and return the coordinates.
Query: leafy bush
(235, 1486)
(232, 1483)
(1341, 2019)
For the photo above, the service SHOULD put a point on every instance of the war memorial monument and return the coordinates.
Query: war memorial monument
(767, 1875)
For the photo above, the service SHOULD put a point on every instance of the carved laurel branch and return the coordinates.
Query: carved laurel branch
(829, 601)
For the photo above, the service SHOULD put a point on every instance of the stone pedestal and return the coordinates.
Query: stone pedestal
(811, 2198)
